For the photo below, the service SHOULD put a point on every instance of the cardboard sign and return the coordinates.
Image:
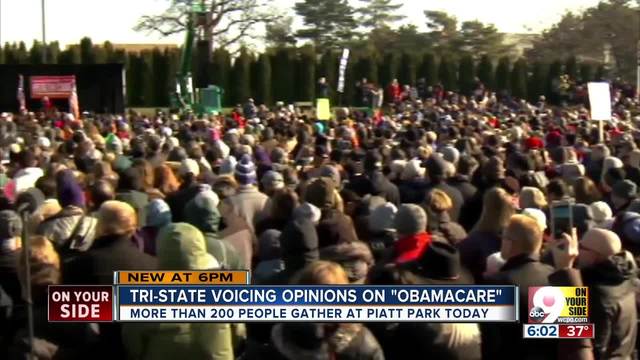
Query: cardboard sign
(600, 100)
(54, 87)
(323, 109)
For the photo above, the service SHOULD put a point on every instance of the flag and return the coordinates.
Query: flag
(21, 100)
(74, 107)
(342, 69)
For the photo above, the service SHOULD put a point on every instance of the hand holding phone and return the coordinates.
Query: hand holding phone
(565, 250)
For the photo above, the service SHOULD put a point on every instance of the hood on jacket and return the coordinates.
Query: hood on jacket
(614, 271)
(356, 259)
(269, 245)
(202, 212)
(182, 246)
(299, 243)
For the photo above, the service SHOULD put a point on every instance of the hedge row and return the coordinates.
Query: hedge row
(290, 74)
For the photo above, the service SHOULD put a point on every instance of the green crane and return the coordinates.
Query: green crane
(206, 100)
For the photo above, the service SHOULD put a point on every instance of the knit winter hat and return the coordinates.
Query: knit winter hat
(69, 191)
(272, 179)
(450, 154)
(158, 213)
(202, 211)
(320, 193)
(410, 219)
(382, 218)
(601, 212)
(228, 166)
(246, 171)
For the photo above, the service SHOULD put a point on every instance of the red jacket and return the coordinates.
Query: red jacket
(411, 248)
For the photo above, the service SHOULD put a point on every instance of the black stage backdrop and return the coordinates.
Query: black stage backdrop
(100, 87)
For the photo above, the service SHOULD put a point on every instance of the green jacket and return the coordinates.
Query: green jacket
(203, 214)
(180, 247)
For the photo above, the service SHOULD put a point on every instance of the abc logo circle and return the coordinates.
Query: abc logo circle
(537, 314)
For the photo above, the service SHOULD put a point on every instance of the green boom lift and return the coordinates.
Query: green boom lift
(204, 100)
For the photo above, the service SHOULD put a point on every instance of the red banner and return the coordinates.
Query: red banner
(55, 87)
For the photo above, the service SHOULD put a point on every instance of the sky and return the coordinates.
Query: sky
(69, 20)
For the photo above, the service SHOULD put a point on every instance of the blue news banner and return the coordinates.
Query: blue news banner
(358, 303)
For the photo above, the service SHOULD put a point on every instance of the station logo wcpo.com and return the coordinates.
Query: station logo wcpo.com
(558, 305)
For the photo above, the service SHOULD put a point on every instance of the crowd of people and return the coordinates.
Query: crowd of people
(433, 190)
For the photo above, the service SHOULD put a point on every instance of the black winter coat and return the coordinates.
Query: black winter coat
(613, 306)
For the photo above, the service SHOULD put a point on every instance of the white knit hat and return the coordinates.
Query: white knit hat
(538, 216)
(601, 212)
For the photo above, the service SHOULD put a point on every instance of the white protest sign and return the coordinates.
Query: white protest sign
(343, 68)
(600, 100)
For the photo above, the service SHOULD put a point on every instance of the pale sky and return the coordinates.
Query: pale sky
(69, 20)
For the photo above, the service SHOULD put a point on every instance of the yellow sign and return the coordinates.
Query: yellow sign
(323, 109)
(216, 277)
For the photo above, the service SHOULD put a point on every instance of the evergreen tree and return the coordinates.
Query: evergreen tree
(160, 70)
(503, 74)
(241, 78)
(389, 69)
(70, 56)
(486, 72)
(429, 69)
(220, 70)
(10, 54)
(519, 79)
(378, 13)
(135, 80)
(282, 66)
(538, 80)
(555, 71)
(173, 62)
(22, 55)
(306, 74)
(2, 58)
(466, 75)
(35, 53)
(87, 54)
(53, 52)
(367, 67)
(328, 69)
(328, 23)
(148, 77)
(571, 68)
(447, 74)
(602, 74)
(408, 69)
(262, 80)
(587, 72)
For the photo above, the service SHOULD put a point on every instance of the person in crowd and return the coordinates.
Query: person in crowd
(485, 238)
(436, 173)
(51, 340)
(586, 191)
(382, 232)
(158, 216)
(280, 210)
(71, 228)
(50, 206)
(131, 191)
(10, 245)
(180, 246)
(611, 275)
(520, 247)
(324, 341)
(165, 180)
(189, 171)
(248, 202)
(410, 223)
(437, 205)
(100, 192)
(334, 227)
(26, 176)
(531, 197)
(271, 263)
(202, 212)
(623, 194)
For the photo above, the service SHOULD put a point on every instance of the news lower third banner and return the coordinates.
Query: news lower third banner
(226, 296)
(316, 303)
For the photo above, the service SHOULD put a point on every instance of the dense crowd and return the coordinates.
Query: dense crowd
(435, 188)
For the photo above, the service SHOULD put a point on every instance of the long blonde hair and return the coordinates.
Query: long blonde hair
(497, 209)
